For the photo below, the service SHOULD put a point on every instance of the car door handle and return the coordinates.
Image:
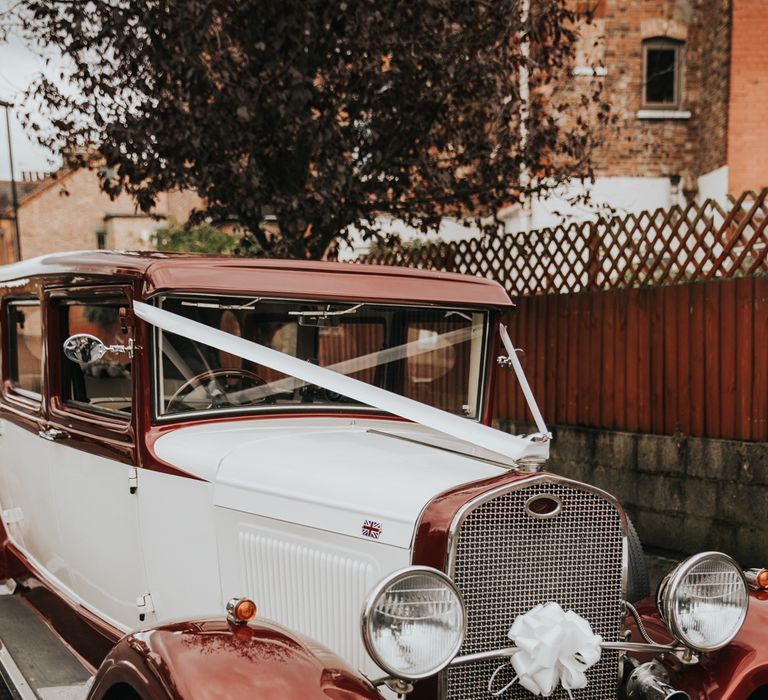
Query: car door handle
(53, 434)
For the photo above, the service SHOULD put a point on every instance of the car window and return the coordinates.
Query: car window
(430, 354)
(106, 384)
(431, 375)
(25, 346)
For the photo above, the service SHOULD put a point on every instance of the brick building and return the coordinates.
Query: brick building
(687, 80)
(70, 212)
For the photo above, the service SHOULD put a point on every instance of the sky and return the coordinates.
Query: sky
(18, 66)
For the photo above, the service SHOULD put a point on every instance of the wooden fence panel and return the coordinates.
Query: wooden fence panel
(712, 360)
(656, 357)
(681, 317)
(689, 359)
(671, 376)
(696, 356)
(744, 336)
(760, 347)
(727, 362)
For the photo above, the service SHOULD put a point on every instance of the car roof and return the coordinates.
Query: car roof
(166, 272)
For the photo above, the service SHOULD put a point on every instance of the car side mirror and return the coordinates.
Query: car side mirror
(85, 349)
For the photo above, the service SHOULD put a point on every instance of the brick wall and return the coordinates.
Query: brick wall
(130, 232)
(178, 205)
(6, 240)
(710, 39)
(747, 138)
(663, 147)
(67, 213)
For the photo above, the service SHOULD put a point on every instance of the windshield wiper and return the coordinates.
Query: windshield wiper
(460, 314)
(327, 313)
(323, 318)
(217, 305)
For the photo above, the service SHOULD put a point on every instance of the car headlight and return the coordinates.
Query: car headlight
(704, 600)
(413, 622)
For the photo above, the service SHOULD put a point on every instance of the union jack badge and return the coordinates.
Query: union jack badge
(371, 529)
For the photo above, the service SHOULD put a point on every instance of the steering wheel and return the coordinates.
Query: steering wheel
(217, 395)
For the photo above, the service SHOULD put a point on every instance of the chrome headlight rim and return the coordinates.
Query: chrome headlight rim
(373, 597)
(669, 586)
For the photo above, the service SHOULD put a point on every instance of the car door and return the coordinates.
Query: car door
(91, 427)
(26, 493)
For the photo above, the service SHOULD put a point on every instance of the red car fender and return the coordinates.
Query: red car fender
(214, 660)
(731, 673)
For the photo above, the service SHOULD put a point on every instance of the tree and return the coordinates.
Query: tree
(324, 113)
(197, 239)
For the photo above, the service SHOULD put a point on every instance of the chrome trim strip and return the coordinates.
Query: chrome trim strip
(511, 465)
(504, 652)
(614, 646)
(246, 412)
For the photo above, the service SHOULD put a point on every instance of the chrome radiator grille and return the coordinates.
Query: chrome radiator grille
(505, 562)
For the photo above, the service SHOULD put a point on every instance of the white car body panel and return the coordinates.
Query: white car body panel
(75, 503)
(27, 487)
(328, 474)
(179, 542)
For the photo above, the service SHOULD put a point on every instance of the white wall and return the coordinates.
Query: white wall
(619, 195)
(623, 195)
(449, 230)
(713, 185)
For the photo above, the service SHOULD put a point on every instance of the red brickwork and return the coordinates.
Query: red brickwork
(67, 213)
(709, 38)
(6, 240)
(747, 142)
(663, 147)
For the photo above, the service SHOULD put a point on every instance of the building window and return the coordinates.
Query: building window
(662, 62)
(101, 240)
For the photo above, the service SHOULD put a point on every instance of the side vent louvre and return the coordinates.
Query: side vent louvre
(316, 591)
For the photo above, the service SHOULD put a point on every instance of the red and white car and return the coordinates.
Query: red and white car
(188, 442)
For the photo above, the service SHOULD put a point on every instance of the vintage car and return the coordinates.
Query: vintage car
(242, 478)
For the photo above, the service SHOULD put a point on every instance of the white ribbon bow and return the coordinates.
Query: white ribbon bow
(553, 646)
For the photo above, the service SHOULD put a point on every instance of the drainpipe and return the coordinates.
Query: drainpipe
(14, 194)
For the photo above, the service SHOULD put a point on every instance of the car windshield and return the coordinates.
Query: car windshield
(432, 355)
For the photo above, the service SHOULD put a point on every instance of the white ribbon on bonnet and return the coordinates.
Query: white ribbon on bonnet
(553, 647)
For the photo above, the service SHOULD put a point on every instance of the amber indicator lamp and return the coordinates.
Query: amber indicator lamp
(241, 610)
(757, 579)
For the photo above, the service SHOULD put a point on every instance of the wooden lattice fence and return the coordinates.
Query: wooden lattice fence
(697, 242)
